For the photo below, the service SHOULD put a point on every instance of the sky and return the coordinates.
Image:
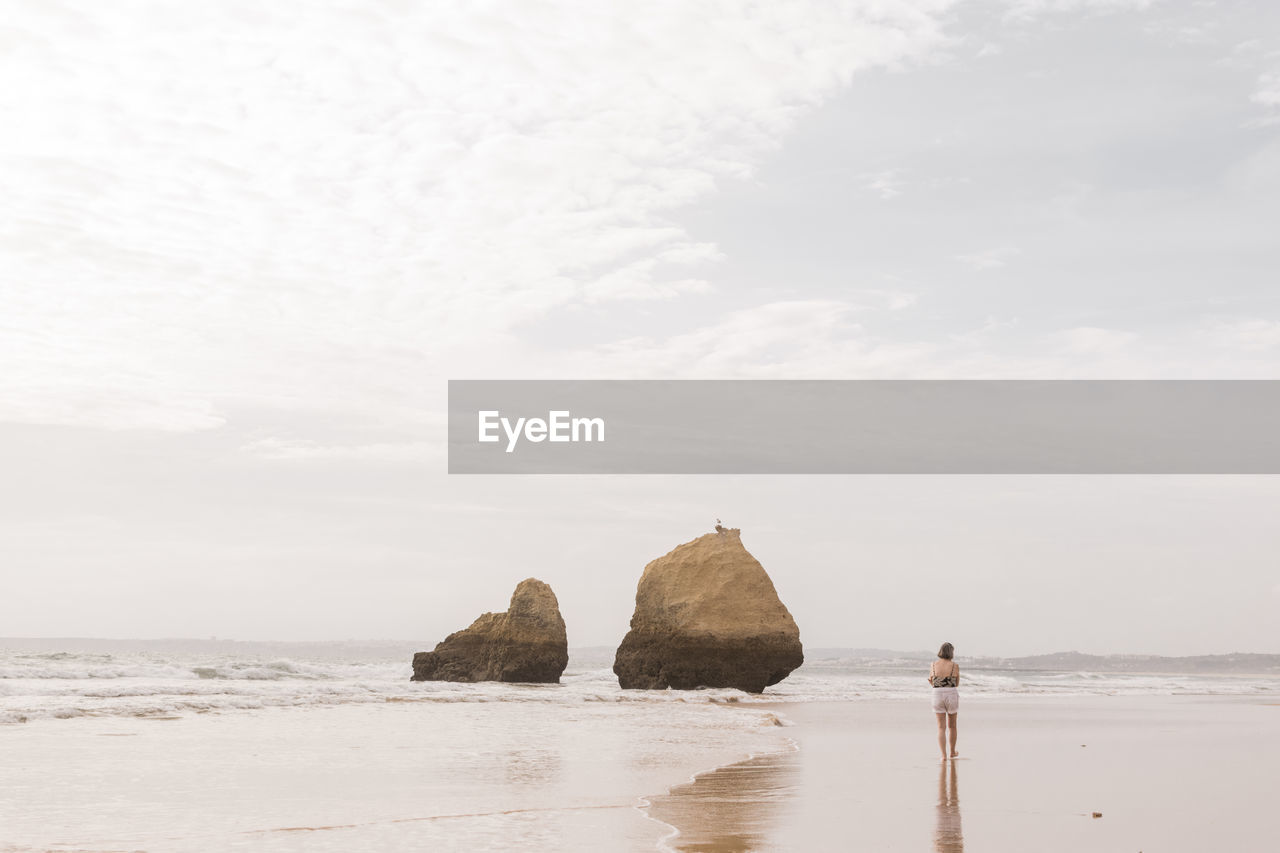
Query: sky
(243, 248)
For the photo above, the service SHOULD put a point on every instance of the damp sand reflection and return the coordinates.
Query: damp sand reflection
(948, 837)
(733, 809)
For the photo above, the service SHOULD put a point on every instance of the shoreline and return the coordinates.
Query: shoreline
(717, 780)
(654, 805)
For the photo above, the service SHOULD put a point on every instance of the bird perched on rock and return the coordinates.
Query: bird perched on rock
(719, 528)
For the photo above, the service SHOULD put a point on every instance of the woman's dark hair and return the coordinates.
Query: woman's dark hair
(947, 651)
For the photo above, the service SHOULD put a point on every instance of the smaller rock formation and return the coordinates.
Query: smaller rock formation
(525, 644)
(707, 615)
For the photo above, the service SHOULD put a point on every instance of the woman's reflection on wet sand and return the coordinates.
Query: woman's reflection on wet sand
(947, 834)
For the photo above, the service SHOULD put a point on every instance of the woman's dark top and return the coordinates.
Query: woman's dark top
(951, 680)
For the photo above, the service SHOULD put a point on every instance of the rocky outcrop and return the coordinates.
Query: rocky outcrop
(525, 644)
(707, 615)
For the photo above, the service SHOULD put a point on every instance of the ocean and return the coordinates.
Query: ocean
(188, 746)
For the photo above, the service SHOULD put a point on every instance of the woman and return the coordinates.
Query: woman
(944, 677)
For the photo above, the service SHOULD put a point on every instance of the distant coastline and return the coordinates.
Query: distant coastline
(1238, 663)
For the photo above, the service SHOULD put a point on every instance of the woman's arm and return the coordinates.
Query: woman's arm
(956, 672)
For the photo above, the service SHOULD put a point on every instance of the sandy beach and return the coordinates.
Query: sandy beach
(1167, 773)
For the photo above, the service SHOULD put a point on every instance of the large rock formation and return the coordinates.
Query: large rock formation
(707, 615)
(527, 643)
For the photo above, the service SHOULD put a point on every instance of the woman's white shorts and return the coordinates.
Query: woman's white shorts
(946, 700)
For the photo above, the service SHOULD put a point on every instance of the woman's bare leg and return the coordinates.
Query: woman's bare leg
(953, 734)
(942, 735)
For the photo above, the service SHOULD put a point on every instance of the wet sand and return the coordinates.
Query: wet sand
(736, 807)
(1169, 773)
(534, 777)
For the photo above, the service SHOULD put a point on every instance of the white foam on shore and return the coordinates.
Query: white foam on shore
(65, 685)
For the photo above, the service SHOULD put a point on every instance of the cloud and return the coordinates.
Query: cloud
(231, 208)
(986, 333)
(280, 449)
(1267, 92)
(1090, 340)
(988, 259)
(320, 205)
(786, 339)
(1026, 9)
(1253, 336)
(640, 279)
(841, 339)
(885, 184)
(890, 300)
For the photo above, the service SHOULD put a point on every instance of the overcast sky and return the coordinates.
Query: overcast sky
(243, 247)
